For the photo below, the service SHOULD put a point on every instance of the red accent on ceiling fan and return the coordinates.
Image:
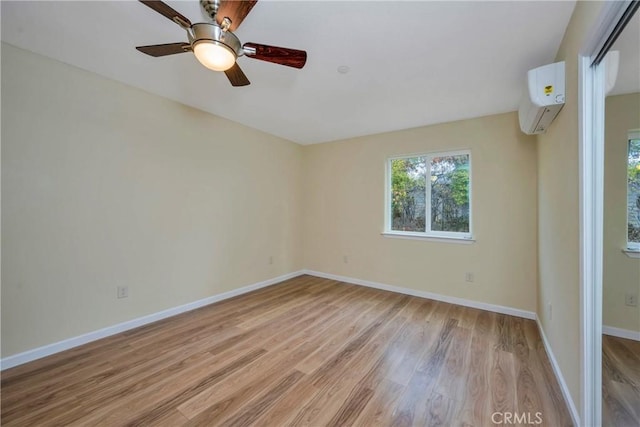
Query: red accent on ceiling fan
(235, 10)
(278, 55)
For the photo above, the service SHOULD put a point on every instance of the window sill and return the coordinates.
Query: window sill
(417, 236)
(632, 253)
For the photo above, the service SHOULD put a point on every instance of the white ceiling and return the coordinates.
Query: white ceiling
(411, 63)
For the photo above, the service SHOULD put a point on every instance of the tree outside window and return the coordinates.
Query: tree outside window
(431, 194)
(633, 194)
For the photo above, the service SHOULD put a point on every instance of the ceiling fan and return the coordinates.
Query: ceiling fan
(215, 45)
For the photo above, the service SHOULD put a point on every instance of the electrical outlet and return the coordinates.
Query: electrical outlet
(271, 259)
(468, 277)
(345, 259)
(631, 299)
(549, 311)
(123, 291)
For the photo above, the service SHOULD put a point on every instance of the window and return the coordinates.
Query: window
(430, 195)
(633, 191)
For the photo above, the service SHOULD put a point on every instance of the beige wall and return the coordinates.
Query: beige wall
(621, 273)
(106, 185)
(344, 213)
(559, 215)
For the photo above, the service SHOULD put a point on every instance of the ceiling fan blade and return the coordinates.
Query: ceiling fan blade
(165, 49)
(236, 76)
(278, 55)
(168, 11)
(235, 10)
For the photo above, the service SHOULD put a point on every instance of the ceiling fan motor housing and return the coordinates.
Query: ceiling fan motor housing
(213, 33)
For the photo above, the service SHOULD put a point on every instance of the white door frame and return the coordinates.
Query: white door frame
(591, 152)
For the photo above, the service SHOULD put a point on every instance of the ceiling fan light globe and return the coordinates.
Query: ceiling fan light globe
(214, 55)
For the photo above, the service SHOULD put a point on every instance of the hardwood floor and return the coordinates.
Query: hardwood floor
(308, 351)
(620, 382)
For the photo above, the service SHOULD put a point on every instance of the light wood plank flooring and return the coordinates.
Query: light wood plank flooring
(308, 351)
(620, 382)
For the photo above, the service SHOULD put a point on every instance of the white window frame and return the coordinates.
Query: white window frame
(631, 246)
(428, 234)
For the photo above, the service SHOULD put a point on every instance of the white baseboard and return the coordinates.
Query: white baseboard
(621, 333)
(47, 350)
(556, 370)
(430, 295)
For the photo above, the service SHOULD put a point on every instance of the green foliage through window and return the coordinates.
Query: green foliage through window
(408, 193)
(633, 191)
(447, 206)
(450, 193)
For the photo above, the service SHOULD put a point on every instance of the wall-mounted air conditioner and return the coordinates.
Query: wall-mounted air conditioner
(543, 98)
